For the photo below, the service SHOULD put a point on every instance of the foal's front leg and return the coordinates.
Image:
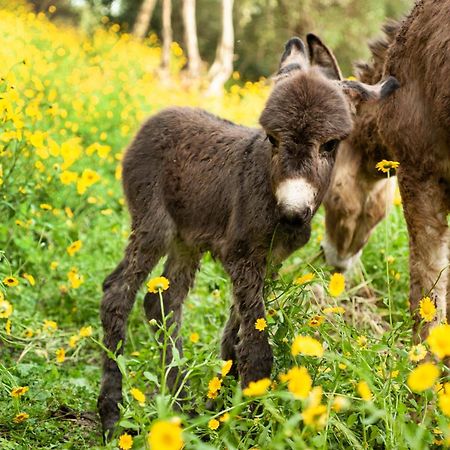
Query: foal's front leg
(253, 352)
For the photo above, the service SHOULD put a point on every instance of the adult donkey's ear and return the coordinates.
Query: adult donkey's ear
(358, 92)
(321, 56)
(293, 58)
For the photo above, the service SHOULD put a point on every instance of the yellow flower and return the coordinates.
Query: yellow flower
(158, 284)
(261, 324)
(88, 178)
(194, 338)
(340, 403)
(85, 331)
(29, 278)
(125, 441)
(226, 368)
(68, 177)
(73, 340)
(214, 386)
(427, 309)
(423, 377)
(337, 284)
(213, 424)
(299, 382)
(307, 345)
(304, 279)
(333, 310)
(385, 166)
(50, 325)
(364, 391)
(362, 341)
(316, 321)
(19, 391)
(75, 279)
(6, 309)
(21, 417)
(10, 281)
(74, 247)
(417, 353)
(166, 435)
(28, 333)
(439, 341)
(60, 355)
(315, 415)
(256, 388)
(138, 395)
(444, 399)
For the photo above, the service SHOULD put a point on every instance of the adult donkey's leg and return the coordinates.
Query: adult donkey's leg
(254, 355)
(179, 269)
(120, 287)
(425, 208)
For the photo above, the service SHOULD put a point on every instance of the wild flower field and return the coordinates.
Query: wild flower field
(346, 373)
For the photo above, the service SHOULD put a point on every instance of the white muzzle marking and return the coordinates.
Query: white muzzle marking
(294, 195)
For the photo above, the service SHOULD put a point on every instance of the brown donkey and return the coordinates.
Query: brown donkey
(414, 125)
(359, 195)
(194, 182)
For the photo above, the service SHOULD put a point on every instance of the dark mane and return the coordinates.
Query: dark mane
(372, 71)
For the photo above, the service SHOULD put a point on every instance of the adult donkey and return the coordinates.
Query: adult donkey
(359, 195)
(412, 127)
(194, 182)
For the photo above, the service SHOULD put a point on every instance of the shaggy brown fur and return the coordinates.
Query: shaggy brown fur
(415, 125)
(358, 194)
(194, 182)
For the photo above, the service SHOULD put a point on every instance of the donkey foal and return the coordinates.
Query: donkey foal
(194, 182)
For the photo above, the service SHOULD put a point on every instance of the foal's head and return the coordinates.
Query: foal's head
(306, 117)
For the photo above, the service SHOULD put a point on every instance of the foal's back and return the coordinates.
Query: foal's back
(187, 164)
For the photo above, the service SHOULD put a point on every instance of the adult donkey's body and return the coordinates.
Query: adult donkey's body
(194, 182)
(412, 127)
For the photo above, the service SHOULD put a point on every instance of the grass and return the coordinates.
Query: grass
(70, 103)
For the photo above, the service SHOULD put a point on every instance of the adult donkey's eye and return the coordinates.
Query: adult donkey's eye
(272, 140)
(329, 146)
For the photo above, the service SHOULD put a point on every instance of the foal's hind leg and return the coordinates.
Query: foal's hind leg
(120, 289)
(230, 339)
(179, 269)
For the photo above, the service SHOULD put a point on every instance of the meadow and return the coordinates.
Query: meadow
(346, 373)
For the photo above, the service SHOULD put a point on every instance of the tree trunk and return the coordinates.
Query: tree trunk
(143, 18)
(190, 36)
(166, 33)
(222, 67)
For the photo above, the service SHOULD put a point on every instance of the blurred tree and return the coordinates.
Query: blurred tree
(261, 27)
(166, 33)
(222, 67)
(143, 18)
(190, 38)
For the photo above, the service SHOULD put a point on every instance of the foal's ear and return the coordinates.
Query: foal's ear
(359, 92)
(320, 55)
(293, 58)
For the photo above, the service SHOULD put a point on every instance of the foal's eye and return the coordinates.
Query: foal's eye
(272, 140)
(329, 146)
